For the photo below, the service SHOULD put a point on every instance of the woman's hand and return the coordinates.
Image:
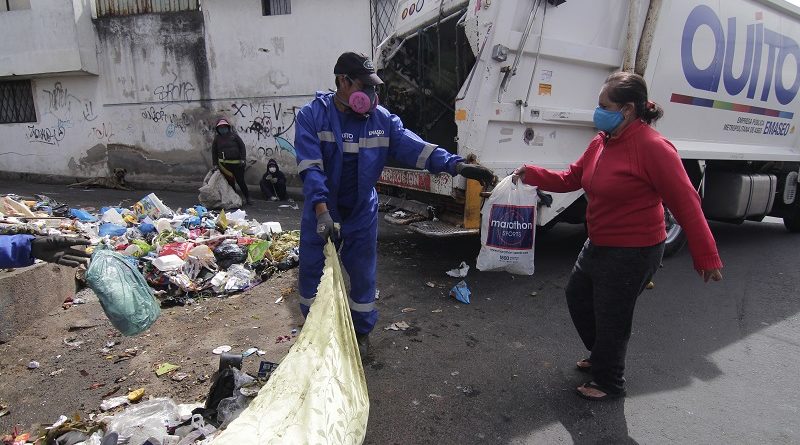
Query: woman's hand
(518, 173)
(712, 274)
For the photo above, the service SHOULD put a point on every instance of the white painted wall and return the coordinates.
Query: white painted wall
(51, 37)
(163, 83)
(282, 55)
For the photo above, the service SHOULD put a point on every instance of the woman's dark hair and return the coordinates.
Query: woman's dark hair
(624, 87)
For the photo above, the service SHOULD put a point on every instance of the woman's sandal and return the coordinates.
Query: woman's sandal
(584, 365)
(606, 395)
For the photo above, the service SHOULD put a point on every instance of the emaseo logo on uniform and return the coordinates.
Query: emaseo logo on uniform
(412, 9)
(511, 227)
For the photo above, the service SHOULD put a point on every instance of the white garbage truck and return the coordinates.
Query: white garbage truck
(507, 82)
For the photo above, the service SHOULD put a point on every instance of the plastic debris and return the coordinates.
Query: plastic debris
(430, 284)
(461, 292)
(166, 368)
(249, 352)
(136, 395)
(221, 349)
(179, 376)
(124, 295)
(406, 310)
(147, 419)
(33, 364)
(110, 404)
(397, 326)
(168, 263)
(459, 272)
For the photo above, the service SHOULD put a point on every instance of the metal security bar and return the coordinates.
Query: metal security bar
(128, 7)
(382, 16)
(16, 102)
(276, 7)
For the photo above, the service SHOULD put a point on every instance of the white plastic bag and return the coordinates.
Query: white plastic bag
(216, 193)
(508, 228)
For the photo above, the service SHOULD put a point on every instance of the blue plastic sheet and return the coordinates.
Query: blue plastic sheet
(461, 292)
(111, 229)
(82, 215)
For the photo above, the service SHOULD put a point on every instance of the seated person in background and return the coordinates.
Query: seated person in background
(273, 183)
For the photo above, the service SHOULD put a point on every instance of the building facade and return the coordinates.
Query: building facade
(91, 85)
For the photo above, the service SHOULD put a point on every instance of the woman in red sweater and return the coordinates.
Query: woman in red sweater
(627, 171)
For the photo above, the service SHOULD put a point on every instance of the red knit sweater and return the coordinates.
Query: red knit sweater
(625, 179)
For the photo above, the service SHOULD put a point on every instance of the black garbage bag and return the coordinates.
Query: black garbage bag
(228, 254)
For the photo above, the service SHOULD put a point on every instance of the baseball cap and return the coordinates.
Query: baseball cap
(357, 66)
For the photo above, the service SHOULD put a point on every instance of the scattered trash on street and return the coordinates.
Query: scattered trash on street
(221, 349)
(461, 292)
(397, 326)
(166, 368)
(459, 272)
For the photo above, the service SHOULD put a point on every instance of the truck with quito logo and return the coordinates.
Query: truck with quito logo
(508, 82)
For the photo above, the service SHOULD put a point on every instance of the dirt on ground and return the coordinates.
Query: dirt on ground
(83, 360)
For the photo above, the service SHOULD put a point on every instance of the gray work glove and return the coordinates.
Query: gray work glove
(59, 250)
(326, 228)
(476, 172)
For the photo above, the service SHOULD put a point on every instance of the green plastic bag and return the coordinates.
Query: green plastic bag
(257, 250)
(124, 294)
(318, 394)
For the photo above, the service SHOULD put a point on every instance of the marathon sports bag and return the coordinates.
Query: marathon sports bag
(508, 228)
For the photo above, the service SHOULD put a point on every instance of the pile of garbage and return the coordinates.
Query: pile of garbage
(183, 255)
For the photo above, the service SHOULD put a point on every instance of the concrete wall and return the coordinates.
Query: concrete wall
(164, 80)
(51, 37)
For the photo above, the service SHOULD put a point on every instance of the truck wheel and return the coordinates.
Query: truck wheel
(792, 223)
(676, 237)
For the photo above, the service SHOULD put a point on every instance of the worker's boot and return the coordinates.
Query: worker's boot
(363, 344)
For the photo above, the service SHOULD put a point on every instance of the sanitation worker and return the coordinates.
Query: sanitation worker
(343, 140)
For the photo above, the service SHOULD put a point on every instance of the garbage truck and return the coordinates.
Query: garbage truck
(508, 82)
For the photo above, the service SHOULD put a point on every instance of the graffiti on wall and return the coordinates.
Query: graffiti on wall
(264, 125)
(60, 113)
(175, 90)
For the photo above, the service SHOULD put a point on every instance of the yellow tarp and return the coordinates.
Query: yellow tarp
(318, 394)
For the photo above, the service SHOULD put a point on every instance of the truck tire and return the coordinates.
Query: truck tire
(792, 223)
(676, 237)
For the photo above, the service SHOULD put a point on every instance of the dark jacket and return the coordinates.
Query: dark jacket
(228, 146)
(277, 188)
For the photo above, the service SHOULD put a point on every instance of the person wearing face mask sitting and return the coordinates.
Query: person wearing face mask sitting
(627, 171)
(230, 157)
(273, 183)
(343, 139)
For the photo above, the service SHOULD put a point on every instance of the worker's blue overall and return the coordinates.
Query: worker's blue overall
(320, 150)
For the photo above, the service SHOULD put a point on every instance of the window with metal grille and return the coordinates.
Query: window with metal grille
(14, 5)
(382, 14)
(130, 7)
(276, 7)
(16, 102)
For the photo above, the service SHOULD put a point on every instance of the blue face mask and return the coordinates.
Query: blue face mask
(606, 120)
(223, 130)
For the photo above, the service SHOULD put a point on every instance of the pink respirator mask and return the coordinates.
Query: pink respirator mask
(364, 101)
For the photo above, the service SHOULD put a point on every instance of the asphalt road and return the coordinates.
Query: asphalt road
(707, 363)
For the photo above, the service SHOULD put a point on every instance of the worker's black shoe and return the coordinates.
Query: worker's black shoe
(363, 344)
